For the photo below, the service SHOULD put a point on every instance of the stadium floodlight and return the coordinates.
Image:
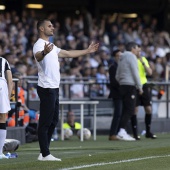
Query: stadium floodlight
(2, 7)
(132, 15)
(34, 6)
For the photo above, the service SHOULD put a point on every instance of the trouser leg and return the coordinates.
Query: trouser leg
(48, 117)
(134, 125)
(54, 121)
(148, 118)
(129, 101)
(116, 116)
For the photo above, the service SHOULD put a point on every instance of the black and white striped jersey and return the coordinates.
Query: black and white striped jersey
(4, 66)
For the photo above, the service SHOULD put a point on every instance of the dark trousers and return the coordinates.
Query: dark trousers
(49, 115)
(116, 116)
(128, 94)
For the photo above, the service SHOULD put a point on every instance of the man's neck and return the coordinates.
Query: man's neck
(44, 38)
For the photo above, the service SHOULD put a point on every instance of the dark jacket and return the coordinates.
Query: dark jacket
(114, 85)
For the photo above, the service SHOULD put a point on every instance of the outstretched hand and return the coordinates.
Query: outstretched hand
(93, 47)
(47, 48)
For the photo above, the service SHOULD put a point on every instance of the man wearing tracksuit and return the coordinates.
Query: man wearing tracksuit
(128, 77)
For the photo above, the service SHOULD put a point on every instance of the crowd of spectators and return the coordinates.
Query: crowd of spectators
(18, 34)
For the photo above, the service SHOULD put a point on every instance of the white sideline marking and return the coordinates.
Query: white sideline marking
(52, 148)
(116, 162)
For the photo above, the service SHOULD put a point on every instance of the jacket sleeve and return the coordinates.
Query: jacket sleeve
(117, 74)
(112, 75)
(135, 71)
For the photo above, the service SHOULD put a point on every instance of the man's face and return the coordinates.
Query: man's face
(139, 52)
(117, 56)
(70, 117)
(48, 28)
(135, 50)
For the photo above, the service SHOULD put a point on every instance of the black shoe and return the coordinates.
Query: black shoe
(137, 137)
(150, 135)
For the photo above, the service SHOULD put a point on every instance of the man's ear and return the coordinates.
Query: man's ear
(41, 28)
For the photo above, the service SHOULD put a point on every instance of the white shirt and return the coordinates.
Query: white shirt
(48, 68)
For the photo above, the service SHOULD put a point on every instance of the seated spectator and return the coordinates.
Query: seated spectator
(71, 123)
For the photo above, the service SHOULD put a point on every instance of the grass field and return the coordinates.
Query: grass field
(146, 154)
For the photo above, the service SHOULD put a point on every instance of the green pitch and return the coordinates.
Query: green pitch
(146, 154)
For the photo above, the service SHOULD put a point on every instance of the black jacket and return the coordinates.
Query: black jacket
(114, 85)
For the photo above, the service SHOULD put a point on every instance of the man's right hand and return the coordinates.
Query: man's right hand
(140, 91)
(48, 47)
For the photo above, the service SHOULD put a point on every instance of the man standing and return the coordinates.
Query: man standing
(5, 94)
(144, 99)
(46, 55)
(128, 77)
(115, 95)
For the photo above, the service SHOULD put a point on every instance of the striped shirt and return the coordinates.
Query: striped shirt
(4, 66)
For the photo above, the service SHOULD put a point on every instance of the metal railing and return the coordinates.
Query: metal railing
(67, 82)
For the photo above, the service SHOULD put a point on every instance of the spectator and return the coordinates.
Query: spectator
(71, 123)
(101, 79)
